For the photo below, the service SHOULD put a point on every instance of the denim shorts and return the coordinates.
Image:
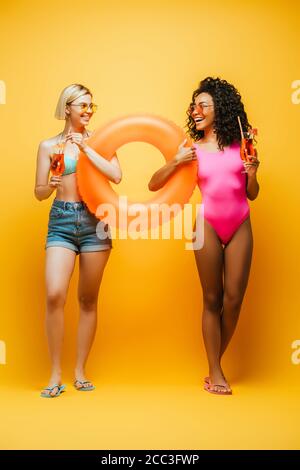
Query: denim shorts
(71, 225)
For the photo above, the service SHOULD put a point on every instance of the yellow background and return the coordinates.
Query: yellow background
(148, 359)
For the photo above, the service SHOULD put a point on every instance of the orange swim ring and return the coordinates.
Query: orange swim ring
(165, 135)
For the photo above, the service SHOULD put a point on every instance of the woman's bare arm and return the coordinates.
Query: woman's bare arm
(43, 188)
(161, 176)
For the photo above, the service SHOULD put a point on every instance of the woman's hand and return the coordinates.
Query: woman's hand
(185, 154)
(55, 182)
(78, 139)
(251, 165)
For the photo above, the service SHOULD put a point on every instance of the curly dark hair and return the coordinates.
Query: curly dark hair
(228, 106)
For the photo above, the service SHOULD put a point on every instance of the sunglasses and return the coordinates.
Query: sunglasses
(198, 107)
(85, 107)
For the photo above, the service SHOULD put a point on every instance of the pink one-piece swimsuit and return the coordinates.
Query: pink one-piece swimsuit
(223, 187)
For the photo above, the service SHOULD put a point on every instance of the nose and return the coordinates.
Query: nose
(195, 114)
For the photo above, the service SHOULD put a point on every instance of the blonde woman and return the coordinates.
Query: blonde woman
(71, 232)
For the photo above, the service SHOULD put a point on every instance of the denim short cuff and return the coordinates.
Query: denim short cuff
(62, 244)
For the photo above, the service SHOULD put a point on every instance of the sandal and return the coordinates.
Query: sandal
(209, 387)
(60, 389)
(207, 381)
(82, 388)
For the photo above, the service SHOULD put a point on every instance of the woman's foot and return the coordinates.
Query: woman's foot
(84, 385)
(207, 379)
(217, 383)
(54, 387)
(81, 383)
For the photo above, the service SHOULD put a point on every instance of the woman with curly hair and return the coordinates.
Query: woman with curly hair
(225, 182)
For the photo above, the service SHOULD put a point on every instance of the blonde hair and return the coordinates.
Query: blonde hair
(69, 94)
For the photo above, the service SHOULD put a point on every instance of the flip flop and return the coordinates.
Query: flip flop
(60, 389)
(207, 381)
(83, 388)
(208, 388)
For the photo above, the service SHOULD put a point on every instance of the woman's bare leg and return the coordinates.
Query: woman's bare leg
(237, 263)
(92, 266)
(209, 262)
(59, 267)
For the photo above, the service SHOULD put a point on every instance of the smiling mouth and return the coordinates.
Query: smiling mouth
(198, 120)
